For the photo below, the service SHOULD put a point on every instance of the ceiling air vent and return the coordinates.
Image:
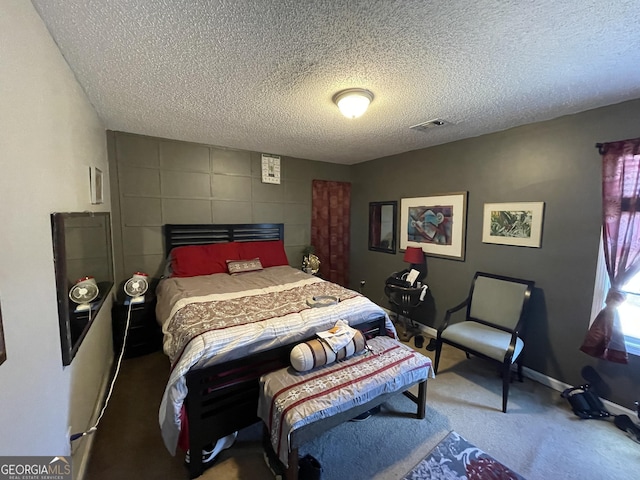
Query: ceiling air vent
(424, 126)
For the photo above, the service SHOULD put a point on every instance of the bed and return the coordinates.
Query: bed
(223, 331)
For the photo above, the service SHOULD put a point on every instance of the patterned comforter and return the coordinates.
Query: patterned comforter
(248, 313)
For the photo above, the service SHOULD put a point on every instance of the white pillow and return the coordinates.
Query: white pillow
(243, 266)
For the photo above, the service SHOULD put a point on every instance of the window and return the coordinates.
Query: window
(607, 337)
(629, 313)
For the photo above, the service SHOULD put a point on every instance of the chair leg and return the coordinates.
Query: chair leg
(520, 378)
(506, 379)
(438, 350)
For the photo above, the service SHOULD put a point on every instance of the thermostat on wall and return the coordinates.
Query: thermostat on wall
(270, 169)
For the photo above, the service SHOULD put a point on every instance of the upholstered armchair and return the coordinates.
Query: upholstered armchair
(496, 309)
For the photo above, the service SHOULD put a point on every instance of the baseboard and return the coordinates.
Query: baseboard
(432, 332)
(86, 454)
(559, 386)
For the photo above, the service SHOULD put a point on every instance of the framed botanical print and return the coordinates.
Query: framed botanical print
(518, 224)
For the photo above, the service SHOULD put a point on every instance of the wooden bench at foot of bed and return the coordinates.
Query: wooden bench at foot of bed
(297, 407)
(224, 398)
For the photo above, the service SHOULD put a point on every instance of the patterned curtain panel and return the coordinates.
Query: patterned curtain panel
(330, 228)
(621, 240)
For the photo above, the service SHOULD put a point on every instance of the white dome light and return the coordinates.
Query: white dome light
(353, 102)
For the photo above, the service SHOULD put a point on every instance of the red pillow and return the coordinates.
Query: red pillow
(271, 254)
(193, 260)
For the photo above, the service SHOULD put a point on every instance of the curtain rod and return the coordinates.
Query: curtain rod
(600, 147)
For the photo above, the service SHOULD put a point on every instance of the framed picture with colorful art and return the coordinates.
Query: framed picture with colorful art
(436, 223)
(518, 224)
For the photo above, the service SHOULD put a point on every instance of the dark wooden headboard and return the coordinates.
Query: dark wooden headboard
(176, 235)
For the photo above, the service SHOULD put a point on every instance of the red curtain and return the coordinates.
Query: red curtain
(621, 240)
(330, 228)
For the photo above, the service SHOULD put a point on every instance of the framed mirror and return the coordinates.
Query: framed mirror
(382, 226)
(81, 250)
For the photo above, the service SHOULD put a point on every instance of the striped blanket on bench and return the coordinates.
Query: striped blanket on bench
(290, 400)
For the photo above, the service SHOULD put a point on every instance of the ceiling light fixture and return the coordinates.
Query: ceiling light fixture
(353, 102)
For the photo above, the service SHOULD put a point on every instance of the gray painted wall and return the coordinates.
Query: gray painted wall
(554, 162)
(164, 181)
(158, 181)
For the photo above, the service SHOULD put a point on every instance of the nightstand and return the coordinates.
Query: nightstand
(145, 335)
(403, 302)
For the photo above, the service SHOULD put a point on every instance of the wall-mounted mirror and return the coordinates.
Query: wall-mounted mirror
(382, 226)
(81, 248)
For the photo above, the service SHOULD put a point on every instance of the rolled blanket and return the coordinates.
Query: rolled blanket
(315, 353)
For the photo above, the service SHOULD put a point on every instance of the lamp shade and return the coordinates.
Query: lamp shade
(413, 255)
(353, 102)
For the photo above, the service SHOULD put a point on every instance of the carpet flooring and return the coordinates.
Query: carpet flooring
(539, 437)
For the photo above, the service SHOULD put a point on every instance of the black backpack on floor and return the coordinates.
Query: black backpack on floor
(585, 403)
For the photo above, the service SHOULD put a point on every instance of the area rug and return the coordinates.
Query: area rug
(456, 459)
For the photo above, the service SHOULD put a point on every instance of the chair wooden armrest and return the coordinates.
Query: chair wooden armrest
(447, 316)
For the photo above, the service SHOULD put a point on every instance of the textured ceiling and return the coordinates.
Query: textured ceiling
(260, 75)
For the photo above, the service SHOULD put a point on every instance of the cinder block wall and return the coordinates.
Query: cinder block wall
(157, 181)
